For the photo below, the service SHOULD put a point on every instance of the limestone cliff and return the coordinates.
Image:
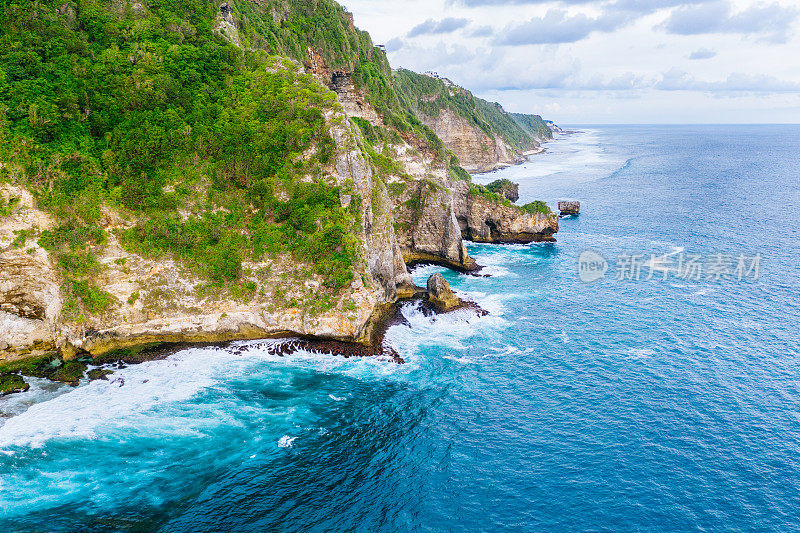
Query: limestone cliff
(160, 300)
(492, 219)
(481, 134)
(240, 202)
(476, 150)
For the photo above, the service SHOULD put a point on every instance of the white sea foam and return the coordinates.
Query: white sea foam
(463, 360)
(704, 291)
(336, 398)
(638, 353)
(80, 412)
(286, 441)
(40, 390)
(155, 398)
(569, 159)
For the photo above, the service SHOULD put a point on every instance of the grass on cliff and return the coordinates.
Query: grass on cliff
(537, 206)
(483, 192)
(430, 96)
(497, 186)
(292, 28)
(8, 207)
(145, 108)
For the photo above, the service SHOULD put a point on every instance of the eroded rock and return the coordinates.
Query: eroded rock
(569, 208)
(476, 151)
(440, 295)
(484, 219)
(11, 383)
(28, 287)
(506, 188)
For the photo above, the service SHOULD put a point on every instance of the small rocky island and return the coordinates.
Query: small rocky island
(569, 208)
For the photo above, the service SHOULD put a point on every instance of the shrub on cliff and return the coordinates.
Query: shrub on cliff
(537, 206)
(144, 107)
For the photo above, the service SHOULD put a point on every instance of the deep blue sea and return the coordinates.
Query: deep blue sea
(662, 396)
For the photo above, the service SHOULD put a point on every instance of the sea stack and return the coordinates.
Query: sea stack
(440, 295)
(569, 207)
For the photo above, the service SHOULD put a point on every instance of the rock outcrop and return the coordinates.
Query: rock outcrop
(476, 151)
(11, 383)
(506, 188)
(440, 295)
(490, 220)
(427, 227)
(405, 199)
(157, 301)
(569, 207)
(482, 134)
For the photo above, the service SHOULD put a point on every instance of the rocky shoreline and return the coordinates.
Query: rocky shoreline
(31, 301)
(76, 289)
(437, 298)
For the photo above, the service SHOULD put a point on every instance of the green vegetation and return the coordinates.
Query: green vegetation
(537, 206)
(533, 124)
(216, 152)
(505, 125)
(430, 96)
(458, 173)
(293, 28)
(7, 207)
(39, 367)
(148, 110)
(483, 192)
(10, 383)
(69, 372)
(501, 185)
(71, 246)
(135, 354)
(98, 373)
(376, 135)
(48, 366)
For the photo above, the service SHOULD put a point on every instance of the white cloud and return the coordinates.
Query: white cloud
(771, 22)
(638, 58)
(702, 53)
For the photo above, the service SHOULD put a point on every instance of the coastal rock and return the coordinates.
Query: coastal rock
(11, 383)
(481, 134)
(157, 300)
(440, 295)
(485, 219)
(428, 230)
(28, 287)
(225, 25)
(340, 81)
(569, 207)
(30, 301)
(506, 188)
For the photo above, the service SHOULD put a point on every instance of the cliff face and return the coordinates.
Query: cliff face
(481, 134)
(161, 300)
(422, 207)
(273, 205)
(483, 218)
(476, 151)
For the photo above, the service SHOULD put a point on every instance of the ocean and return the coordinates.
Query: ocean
(641, 374)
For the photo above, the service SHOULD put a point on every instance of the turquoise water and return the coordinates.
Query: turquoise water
(632, 404)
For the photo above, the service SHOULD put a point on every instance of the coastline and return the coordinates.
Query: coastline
(525, 159)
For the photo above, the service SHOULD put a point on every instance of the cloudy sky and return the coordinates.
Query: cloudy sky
(605, 61)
